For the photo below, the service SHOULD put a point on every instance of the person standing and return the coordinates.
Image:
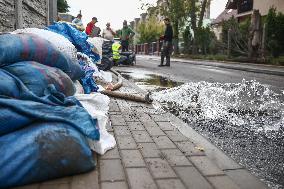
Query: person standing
(167, 43)
(125, 35)
(92, 30)
(108, 33)
(78, 20)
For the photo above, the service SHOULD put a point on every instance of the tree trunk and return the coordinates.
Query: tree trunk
(176, 34)
(254, 35)
(193, 24)
(202, 12)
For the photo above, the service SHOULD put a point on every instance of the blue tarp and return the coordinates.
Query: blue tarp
(77, 38)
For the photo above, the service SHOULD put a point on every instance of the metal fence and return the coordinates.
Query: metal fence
(153, 48)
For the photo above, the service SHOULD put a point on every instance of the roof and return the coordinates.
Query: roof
(225, 15)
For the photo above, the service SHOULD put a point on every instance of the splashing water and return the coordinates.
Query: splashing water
(244, 119)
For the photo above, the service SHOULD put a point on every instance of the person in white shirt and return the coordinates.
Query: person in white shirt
(108, 33)
(78, 20)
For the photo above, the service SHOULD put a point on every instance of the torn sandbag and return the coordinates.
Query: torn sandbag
(77, 38)
(37, 77)
(29, 47)
(43, 151)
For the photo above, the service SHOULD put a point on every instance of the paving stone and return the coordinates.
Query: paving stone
(117, 120)
(130, 117)
(221, 182)
(112, 185)
(136, 126)
(160, 118)
(244, 179)
(140, 178)
(141, 136)
(126, 142)
(188, 148)
(86, 180)
(155, 131)
(206, 166)
(113, 107)
(49, 186)
(30, 186)
(149, 150)
(160, 168)
(170, 184)
(58, 181)
(132, 158)
(121, 130)
(166, 126)
(192, 178)
(176, 136)
(163, 142)
(143, 117)
(150, 123)
(111, 154)
(175, 157)
(111, 170)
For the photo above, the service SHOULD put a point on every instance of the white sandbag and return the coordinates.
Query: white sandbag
(79, 88)
(97, 106)
(59, 41)
(98, 43)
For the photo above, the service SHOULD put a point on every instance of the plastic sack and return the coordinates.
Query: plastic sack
(29, 47)
(98, 105)
(97, 42)
(37, 77)
(43, 151)
(18, 105)
(77, 38)
(59, 41)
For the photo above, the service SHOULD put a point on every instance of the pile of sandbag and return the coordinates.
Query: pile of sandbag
(44, 129)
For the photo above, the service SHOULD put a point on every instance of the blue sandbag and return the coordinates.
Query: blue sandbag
(37, 77)
(29, 47)
(77, 38)
(41, 152)
(20, 107)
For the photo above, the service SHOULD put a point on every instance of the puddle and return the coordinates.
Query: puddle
(149, 81)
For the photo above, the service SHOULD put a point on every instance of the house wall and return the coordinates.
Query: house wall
(15, 14)
(264, 5)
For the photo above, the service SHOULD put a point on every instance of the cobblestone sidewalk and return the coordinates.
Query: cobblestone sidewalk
(152, 153)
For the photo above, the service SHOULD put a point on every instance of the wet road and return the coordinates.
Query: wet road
(185, 72)
(247, 141)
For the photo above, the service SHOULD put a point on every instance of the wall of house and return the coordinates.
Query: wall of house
(264, 5)
(15, 14)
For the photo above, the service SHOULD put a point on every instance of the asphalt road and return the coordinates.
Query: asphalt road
(186, 72)
(260, 152)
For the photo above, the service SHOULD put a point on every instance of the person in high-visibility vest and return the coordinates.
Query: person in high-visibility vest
(117, 57)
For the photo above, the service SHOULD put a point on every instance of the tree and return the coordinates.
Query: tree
(150, 30)
(62, 6)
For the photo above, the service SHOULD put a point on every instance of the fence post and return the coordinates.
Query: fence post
(263, 42)
(158, 47)
(19, 13)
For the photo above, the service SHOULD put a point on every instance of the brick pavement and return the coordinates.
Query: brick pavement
(152, 153)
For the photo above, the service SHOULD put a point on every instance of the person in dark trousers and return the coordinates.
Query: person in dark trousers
(167, 47)
(125, 35)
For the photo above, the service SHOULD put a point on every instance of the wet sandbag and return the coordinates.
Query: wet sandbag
(41, 152)
(37, 77)
(29, 47)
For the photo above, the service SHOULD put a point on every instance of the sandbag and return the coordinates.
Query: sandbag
(29, 47)
(20, 107)
(37, 77)
(41, 152)
(77, 38)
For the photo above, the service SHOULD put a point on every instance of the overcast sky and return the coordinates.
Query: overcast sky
(115, 11)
